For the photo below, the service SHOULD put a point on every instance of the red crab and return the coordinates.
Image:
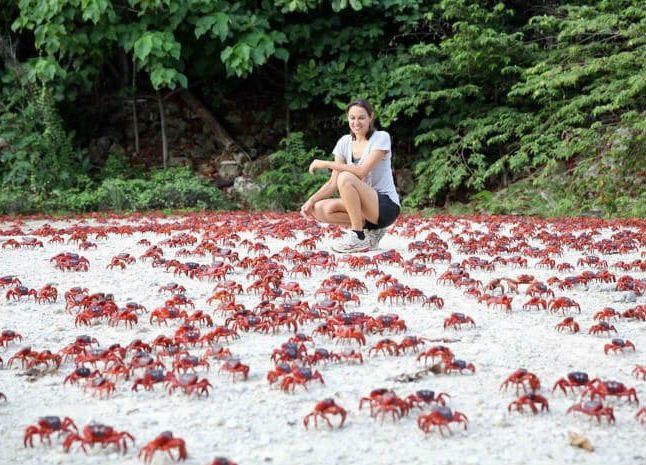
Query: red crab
(200, 318)
(85, 245)
(68, 261)
(165, 442)
(530, 399)
(81, 373)
(456, 320)
(189, 362)
(96, 433)
(574, 379)
(179, 300)
(607, 314)
(610, 388)
(395, 294)
(45, 427)
(14, 244)
(7, 336)
(563, 303)
(640, 370)
(173, 288)
(24, 355)
(18, 292)
(437, 302)
(441, 416)
(161, 314)
(425, 397)
(300, 375)
(451, 365)
(503, 301)
(43, 358)
(418, 268)
(641, 415)
(189, 383)
(321, 354)
(637, 313)
(595, 409)
(324, 408)
(234, 366)
(564, 267)
(602, 327)
(568, 323)
(592, 261)
(441, 352)
(618, 345)
(220, 332)
(411, 342)
(47, 293)
(102, 385)
(381, 323)
(537, 289)
(535, 302)
(121, 260)
(9, 280)
(279, 371)
(150, 378)
(349, 334)
(384, 401)
(385, 346)
(519, 378)
(129, 318)
(144, 360)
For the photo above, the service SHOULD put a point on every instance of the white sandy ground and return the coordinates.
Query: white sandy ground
(253, 423)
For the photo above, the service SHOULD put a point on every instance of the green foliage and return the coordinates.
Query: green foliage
(493, 93)
(611, 184)
(159, 36)
(162, 189)
(287, 184)
(482, 93)
(117, 165)
(37, 153)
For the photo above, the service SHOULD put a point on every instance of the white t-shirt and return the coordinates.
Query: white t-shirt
(381, 176)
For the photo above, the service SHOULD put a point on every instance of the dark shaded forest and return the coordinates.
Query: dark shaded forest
(494, 106)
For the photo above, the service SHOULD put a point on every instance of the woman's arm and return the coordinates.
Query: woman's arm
(325, 191)
(360, 171)
(329, 188)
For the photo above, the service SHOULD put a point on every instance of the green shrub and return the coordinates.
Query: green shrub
(168, 189)
(14, 202)
(287, 184)
(37, 152)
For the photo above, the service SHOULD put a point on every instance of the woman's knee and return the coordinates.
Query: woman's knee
(320, 212)
(345, 178)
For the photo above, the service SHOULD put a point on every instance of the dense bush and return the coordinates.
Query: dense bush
(37, 153)
(477, 94)
(169, 189)
(287, 184)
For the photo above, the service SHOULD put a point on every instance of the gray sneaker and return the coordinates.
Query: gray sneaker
(352, 244)
(374, 236)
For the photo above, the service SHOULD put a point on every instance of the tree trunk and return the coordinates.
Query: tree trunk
(221, 135)
(135, 118)
(287, 115)
(162, 121)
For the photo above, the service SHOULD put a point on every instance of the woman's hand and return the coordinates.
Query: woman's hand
(317, 165)
(308, 209)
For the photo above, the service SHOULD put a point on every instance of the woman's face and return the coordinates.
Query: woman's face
(359, 121)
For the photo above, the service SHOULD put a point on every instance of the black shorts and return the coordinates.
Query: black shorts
(388, 213)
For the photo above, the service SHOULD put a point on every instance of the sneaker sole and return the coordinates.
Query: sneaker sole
(361, 250)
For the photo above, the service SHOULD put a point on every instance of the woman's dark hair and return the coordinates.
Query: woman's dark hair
(366, 106)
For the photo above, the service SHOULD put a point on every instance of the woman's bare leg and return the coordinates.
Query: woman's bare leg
(359, 199)
(332, 211)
